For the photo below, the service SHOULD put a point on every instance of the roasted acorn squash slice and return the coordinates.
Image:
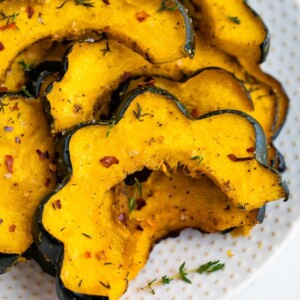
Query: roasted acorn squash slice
(27, 173)
(94, 160)
(160, 36)
(235, 28)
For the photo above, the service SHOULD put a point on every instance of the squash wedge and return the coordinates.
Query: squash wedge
(94, 160)
(26, 160)
(235, 28)
(278, 90)
(160, 36)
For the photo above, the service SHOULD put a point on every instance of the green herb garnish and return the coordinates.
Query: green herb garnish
(137, 189)
(25, 91)
(106, 49)
(198, 158)
(207, 268)
(86, 3)
(235, 20)
(139, 114)
(26, 67)
(168, 5)
(113, 123)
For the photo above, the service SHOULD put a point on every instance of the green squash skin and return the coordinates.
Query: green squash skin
(49, 245)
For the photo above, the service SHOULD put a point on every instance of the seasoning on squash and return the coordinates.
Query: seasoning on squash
(57, 204)
(106, 2)
(2, 47)
(101, 255)
(251, 150)
(108, 161)
(8, 129)
(12, 228)
(30, 11)
(9, 161)
(87, 254)
(237, 159)
(1, 221)
(141, 16)
(43, 155)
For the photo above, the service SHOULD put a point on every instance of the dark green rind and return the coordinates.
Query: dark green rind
(265, 45)
(53, 248)
(117, 95)
(7, 261)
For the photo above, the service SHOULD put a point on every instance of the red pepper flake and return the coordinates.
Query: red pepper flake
(139, 228)
(148, 81)
(43, 155)
(12, 228)
(2, 47)
(15, 107)
(9, 26)
(8, 129)
(47, 182)
(106, 2)
(107, 161)
(251, 150)
(142, 16)
(237, 159)
(87, 254)
(52, 167)
(9, 161)
(1, 221)
(140, 203)
(57, 204)
(30, 11)
(17, 140)
(195, 112)
(3, 88)
(126, 76)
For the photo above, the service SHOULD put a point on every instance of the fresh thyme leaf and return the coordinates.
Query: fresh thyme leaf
(139, 187)
(166, 280)
(106, 49)
(86, 3)
(131, 203)
(86, 235)
(139, 115)
(25, 91)
(8, 17)
(168, 5)
(132, 200)
(235, 20)
(207, 268)
(110, 128)
(210, 267)
(26, 67)
(182, 273)
(198, 158)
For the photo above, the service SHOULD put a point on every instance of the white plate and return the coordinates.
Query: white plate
(27, 282)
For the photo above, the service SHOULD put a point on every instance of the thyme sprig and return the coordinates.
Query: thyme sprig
(9, 18)
(139, 113)
(168, 5)
(235, 20)
(137, 190)
(26, 67)
(207, 268)
(198, 158)
(86, 3)
(113, 123)
(2, 105)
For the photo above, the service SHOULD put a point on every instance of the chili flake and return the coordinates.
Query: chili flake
(107, 161)
(140, 203)
(43, 155)
(106, 2)
(1, 46)
(3, 88)
(57, 204)
(47, 182)
(9, 26)
(142, 16)
(148, 81)
(251, 150)
(237, 159)
(30, 11)
(12, 228)
(87, 254)
(9, 161)
(195, 112)
(1, 221)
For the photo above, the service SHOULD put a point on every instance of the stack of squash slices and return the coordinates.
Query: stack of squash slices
(120, 129)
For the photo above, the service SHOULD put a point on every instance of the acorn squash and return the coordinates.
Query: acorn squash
(27, 173)
(98, 250)
(161, 35)
(235, 28)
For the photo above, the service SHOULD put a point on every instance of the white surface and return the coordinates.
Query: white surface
(250, 254)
